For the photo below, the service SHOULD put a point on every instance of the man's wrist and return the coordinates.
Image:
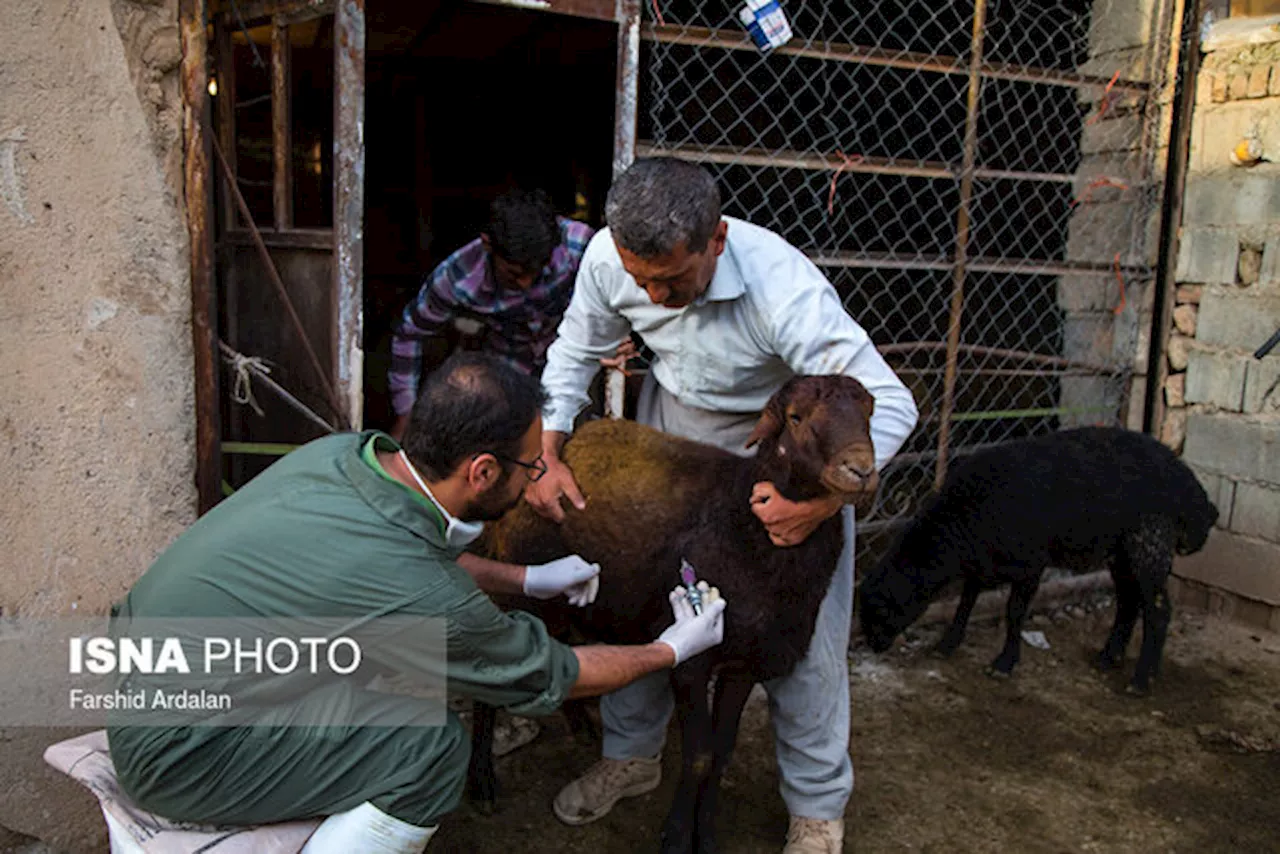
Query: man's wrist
(552, 442)
(663, 648)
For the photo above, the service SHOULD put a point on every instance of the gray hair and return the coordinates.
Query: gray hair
(659, 203)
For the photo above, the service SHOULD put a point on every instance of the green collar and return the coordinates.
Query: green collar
(398, 503)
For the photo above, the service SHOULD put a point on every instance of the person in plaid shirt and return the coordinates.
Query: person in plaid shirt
(515, 280)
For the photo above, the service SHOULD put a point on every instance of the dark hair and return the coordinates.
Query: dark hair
(660, 203)
(472, 404)
(522, 228)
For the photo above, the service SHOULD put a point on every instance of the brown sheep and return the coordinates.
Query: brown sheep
(653, 499)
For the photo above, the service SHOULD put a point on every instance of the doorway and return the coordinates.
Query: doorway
(462, 102)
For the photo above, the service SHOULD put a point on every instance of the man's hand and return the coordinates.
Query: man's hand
(571, 575)
(625, 352)
(790, 523)
(544, 495)
(693, 633)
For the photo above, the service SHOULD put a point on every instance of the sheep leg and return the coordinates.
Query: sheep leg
(1020, 596)
(584, 728)
(1150, 550)
(732, 689)
(1128, 605)
(482, 781)
(690, 682)
(955, 632)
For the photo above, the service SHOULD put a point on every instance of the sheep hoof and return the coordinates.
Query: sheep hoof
(1137, 691)
(996, 673)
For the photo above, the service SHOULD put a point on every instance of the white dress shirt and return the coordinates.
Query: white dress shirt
(767, 315)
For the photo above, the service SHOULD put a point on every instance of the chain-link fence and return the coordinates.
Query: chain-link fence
(979, 180)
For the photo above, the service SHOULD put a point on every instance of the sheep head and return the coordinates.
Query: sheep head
(914, 572)
(814, 438)
(890, 598)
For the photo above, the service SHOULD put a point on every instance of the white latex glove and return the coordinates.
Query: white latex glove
(693, 633)
(571, 575)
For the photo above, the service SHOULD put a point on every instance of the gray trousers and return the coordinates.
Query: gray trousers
(809, 707)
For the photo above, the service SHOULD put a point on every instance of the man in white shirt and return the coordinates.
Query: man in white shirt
(732, 311)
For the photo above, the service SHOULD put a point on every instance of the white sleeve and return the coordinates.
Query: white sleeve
(815, 335)
(591, 330)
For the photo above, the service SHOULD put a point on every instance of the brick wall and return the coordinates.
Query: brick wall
(1222, 405)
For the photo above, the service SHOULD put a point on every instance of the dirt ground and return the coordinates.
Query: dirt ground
(1056, 759)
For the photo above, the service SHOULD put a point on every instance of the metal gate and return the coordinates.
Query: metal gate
(978, 178)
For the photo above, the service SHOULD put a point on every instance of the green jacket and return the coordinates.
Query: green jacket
(325, 533)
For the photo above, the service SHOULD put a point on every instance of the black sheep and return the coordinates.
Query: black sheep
(653, 499)
(1077, 499)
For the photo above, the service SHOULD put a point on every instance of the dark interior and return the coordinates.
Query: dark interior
(464, 101)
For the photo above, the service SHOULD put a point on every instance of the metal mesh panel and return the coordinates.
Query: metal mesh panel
(1017, 218)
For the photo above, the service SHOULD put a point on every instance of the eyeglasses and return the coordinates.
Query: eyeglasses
(534, 470)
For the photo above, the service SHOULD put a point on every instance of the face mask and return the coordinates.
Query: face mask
(457, 533)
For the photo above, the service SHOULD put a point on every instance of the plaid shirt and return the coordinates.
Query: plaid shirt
(519, 325)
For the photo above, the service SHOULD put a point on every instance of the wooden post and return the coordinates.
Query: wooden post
(191, 16)
(962, 238)
(348, 205)
(281, 126)
(626, 97)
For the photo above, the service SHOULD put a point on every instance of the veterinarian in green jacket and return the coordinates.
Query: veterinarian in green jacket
(350, 526)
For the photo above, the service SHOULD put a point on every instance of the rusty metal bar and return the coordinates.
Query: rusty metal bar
(1052, 593)
(281, 126)
(292, 10)
(195, 83)
(997, 352)
(1017, 372)
(599, 10)
(1019, 266)
(838, 52)
(962, 237)
(627, 92)
(225, 104)
(317, 239)
(348, 206)
(274, 275)
(226, 109)
(782, 159)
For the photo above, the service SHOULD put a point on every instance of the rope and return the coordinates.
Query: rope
(1105, 103)
(242, 391)
(847, 162)
(1094, 185)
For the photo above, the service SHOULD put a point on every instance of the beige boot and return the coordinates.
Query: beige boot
(592, 795)
(814, 836)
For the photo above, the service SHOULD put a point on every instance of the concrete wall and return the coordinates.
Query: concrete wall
(96, 422)
(1116, 214)
(96, 425)
(1222, 405)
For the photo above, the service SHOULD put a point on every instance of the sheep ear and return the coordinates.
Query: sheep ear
(769, 425)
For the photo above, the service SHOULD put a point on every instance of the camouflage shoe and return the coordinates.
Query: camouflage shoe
(592, 795)
(815, 836)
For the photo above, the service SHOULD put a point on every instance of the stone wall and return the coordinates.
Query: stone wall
(1222, 405)
(96, 412)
